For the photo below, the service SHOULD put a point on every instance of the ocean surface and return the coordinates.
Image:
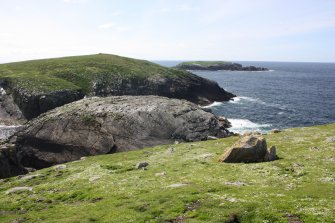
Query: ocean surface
(289, 95)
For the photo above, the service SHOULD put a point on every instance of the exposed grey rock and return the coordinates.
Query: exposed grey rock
(177, 185)
(237, 183)
(330, 139)
(160, 174)
(141, 165)
(212, 138)
(275, 131)
(95, 126)
(249, 149)
(94, 178)
(18, 189)
(60, 167)
(29, 177)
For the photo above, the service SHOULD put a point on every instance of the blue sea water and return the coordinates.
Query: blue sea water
(289, 95)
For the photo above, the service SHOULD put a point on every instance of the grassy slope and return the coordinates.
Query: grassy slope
(205, 63)
(302, 183)
(78, 72)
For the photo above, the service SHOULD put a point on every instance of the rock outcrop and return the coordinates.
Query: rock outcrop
(217, 65)
(95, 126)
(9, 164)
(41, 85)
(249, 149)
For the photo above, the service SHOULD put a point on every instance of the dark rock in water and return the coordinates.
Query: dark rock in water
(249, 149)
(217, 65)
(9, 164)
(106, 125)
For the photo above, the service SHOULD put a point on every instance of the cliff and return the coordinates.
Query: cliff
(40, 85)
(217, 65)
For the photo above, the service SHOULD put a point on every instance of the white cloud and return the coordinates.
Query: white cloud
(106, 26)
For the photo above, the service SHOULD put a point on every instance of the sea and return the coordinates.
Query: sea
(289, 95)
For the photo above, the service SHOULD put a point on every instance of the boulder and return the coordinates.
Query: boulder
(96, 125)
(249, 149)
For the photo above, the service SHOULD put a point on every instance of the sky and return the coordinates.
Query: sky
(235, 30)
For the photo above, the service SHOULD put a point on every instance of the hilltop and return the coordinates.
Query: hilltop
(39, 85)
(184, 182)
(216, 65)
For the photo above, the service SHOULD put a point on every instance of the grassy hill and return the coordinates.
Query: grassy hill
(185, 182)
(78, 72)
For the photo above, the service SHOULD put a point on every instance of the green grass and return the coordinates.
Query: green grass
(205, 63)
(300, 183)
(79, 72)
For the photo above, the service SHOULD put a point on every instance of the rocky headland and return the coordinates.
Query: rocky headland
(41, 85)
(217, 65)
(99, 125)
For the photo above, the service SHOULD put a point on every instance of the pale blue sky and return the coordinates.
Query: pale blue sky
(253, 30)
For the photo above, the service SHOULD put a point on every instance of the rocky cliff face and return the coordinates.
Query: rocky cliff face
(106, 125)
(9, 164)
(190, 87)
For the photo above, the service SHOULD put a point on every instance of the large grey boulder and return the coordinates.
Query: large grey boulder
(249, 149)
(96, 125)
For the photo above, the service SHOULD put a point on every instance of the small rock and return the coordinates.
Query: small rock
(83, 158)
(18, 189)
(330, 139)
(237, 183)
(231, 199)
(94, 178)
(141, 165)
(275, 131)
(176, 185)
(271, 155)
(207, 155)
(211, 138)
(314, 148)
(28, 177)
(170, 150)
(160, 174)
(60, 167)
(176, 142)
(30, 169)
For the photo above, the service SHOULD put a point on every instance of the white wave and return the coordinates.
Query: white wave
(214, 104)
(241, 99)
(245, 125)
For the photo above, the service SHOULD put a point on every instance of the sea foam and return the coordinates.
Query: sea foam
(244, 125)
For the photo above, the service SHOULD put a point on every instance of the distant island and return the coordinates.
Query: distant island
(217, 65)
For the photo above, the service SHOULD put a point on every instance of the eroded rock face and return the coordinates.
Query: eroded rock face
(9, 164)
(249, 149)
(106, 125)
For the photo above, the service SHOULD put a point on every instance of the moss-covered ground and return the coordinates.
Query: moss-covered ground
(185, 183)
(79, 72)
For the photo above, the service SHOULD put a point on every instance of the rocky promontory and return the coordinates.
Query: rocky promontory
(40, 85)
(99, 125)
(217, 65)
